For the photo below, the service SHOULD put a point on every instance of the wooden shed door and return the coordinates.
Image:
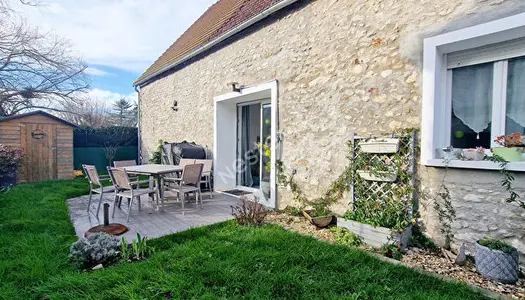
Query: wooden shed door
(38, 142)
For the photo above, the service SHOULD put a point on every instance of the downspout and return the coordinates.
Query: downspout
(139, 146)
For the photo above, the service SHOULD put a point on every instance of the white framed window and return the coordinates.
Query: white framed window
(473, 89)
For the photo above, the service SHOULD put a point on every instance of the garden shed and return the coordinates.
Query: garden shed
(46, 142)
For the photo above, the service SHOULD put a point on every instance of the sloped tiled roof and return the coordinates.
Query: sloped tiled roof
(220, 18)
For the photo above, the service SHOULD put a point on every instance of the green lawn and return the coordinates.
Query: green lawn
(220, 261)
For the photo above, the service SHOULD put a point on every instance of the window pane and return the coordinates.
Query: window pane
(472, 106)
(515, 120)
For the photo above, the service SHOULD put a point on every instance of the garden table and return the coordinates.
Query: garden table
(156, 171)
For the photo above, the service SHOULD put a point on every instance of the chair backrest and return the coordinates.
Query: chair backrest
(186, 161)
(192, 174)
(207, 164)
(92, 174)
(120, 178)
(124, 163)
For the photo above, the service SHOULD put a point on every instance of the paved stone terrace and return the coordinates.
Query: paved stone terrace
(150, 222)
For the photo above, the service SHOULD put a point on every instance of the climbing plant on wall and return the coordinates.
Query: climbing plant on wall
(386, 197)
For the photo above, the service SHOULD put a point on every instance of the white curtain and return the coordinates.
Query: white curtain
(472, 95)
(516, 91)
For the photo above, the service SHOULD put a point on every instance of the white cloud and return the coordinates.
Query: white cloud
(96, 72)
(126, 34)
(108, 97)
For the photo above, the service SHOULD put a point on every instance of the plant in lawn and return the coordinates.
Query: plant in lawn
(392, 251)
(78, 173)
(345, 237)
(97, 248)
(249, 212)
(139, 249)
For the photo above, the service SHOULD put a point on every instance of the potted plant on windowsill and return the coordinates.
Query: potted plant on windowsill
(510, 149)
(476, 154)
(496, 260)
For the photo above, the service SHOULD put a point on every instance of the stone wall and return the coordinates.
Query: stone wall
(343, 66)
(479, 202)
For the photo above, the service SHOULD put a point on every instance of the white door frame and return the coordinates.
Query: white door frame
(225, 135)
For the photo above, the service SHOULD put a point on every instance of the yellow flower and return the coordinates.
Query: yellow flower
(78, 173)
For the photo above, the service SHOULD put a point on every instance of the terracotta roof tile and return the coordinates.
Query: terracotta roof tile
(220, 18)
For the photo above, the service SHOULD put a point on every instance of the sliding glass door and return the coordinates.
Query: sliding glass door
(253, 147)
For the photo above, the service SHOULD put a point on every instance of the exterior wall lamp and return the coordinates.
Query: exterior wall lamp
(236, 87)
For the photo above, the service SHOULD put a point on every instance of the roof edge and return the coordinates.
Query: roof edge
(38, 112)
(216, 41)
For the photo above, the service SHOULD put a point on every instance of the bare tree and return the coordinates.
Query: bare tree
(90, 113)
(37, 70)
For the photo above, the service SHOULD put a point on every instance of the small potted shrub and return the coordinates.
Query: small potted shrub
(497, 260)
(509, 149)
(9, 160)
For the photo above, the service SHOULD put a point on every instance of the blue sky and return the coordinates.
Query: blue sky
(118, 39)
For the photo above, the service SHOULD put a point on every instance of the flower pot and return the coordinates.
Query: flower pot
(508, 153)
(496, 264)
(320, 222)
(377, 236)
(448, 153)
(473, 154)
(382, 176)
(387, 145)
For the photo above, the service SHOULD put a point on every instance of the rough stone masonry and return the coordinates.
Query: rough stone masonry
(344, 66)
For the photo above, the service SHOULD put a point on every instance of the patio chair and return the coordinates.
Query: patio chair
(190, 182)
(206, 173)
(94, 181)
(176, 177)
(126, 163)
(128, 189)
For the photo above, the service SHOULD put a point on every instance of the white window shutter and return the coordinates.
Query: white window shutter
(485, 54)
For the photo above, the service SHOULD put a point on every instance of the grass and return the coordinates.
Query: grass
(220, 261)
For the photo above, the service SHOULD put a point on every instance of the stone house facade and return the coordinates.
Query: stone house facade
(340, 67)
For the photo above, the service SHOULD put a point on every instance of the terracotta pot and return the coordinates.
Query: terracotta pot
(508, 154)
(320, 222)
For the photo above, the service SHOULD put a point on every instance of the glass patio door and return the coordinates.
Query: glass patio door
(253, 148)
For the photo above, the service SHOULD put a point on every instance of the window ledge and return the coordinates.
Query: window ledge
(481, 165)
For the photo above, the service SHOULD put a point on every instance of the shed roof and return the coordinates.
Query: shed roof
(219, 19)
(37, 112)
